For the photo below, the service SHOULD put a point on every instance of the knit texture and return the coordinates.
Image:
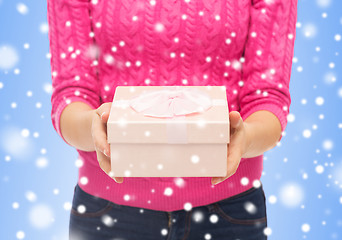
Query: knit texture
(245, 45)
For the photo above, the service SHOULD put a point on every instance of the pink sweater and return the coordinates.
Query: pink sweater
(246, 45)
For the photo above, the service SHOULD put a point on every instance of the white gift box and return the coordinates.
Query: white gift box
(169, 131)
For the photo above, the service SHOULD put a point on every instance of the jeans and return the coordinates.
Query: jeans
(240, 217)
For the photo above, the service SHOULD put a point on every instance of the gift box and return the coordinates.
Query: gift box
(169, 131)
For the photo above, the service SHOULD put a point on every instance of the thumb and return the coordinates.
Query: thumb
(235, 119)
(103, 111)
(104, 116)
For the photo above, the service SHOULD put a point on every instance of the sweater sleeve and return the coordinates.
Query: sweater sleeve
(74, 76)
(268, 54)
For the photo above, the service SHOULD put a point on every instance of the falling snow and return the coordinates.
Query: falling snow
(20, 235)
(42, 162)
(302, 175)
(8, 57)
(305, 227)
(291, 195)
(22, 8)
(41, 216)
(31, 196)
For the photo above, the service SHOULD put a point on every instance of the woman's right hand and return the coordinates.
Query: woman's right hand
(99, 134)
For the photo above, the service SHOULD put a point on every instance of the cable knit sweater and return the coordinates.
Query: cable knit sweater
(246, 45)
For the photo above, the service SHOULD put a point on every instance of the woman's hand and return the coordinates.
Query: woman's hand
(236, 147)
(99, 134)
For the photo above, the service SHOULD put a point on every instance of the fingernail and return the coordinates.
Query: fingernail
(216, 181)
(105, 152)
(102, 114)
(239, 123)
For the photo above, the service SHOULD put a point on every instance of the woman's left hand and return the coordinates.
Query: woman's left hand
(236, 146)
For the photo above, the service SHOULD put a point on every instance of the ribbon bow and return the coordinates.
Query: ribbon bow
(168, 103)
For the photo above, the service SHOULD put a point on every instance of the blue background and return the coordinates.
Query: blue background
(302, 176)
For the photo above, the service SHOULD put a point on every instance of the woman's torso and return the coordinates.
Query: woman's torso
(171, 42)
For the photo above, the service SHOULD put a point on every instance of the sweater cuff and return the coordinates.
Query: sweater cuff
(273, 108)
(61, 107)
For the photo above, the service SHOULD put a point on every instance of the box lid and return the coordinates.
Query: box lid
(209, 125)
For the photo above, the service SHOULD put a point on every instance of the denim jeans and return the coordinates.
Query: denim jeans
(240, 217)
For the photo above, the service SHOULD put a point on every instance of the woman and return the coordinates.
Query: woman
(244, 45)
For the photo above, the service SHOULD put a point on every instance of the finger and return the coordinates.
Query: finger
(99, 134)
(105, 165)
(105, 116)
(233, 161)
(118, 179)
(235, 119)
(103, 162)
(103, 111)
